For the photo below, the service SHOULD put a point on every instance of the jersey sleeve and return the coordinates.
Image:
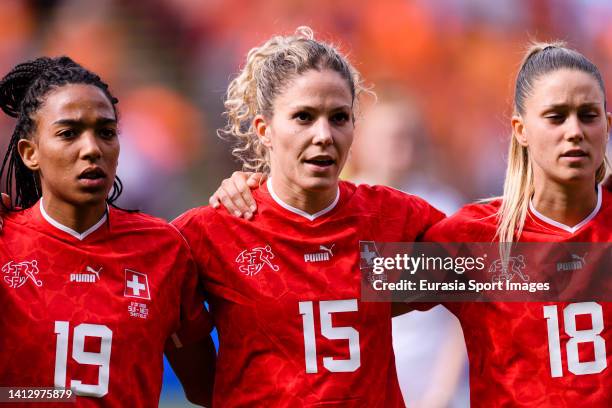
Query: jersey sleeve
(408, 214)
(429, 216)
(464, 226)
(446, 231)
(192, 227)
(195, 321)
(475, 222)
(421, 217)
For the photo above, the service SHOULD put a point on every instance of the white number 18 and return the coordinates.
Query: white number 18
(592, 335)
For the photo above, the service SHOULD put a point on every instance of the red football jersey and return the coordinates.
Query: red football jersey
(284, 292)
(94, 311)
(535, 354)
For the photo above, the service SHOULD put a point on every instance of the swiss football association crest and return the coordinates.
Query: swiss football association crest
(251, 262)
(136, 285)
(515, 267)
(17, 274)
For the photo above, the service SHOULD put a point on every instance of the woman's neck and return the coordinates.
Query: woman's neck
(77, 218)
(566, 204)
(310, 202)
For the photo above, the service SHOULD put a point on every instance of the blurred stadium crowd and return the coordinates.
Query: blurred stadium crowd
(442, 70)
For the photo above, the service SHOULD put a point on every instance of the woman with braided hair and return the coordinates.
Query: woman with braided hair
(553, 353)
(20, 98)
(91, 295)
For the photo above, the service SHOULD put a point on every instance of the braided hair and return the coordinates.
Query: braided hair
(22, 92)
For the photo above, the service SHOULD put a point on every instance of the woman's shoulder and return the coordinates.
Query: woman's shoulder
(480, 210)
(377, 195)
(199, 216)
(473, 222)
(123, 221)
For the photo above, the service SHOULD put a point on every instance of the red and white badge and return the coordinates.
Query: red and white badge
(136, 285)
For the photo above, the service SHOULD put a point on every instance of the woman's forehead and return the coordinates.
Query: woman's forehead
(565, 86)
(74, 100)
(316, 88)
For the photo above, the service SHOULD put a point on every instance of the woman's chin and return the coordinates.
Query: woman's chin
(320, 184)
(91, 198)
(574, 176)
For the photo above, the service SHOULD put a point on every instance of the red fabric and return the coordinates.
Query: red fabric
(256, 306)
(100, 310)
(508, 343)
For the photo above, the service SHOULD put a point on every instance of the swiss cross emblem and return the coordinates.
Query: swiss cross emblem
(17, 274)
(251, 262)
(136, 285)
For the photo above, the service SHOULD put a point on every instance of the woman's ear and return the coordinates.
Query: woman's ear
(262, 130)
(518, 130)
(28, 150)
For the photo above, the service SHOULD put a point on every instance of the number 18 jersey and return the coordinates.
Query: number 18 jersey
(538, 354)
(284, 292)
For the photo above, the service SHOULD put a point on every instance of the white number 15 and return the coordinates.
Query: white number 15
(326, 308)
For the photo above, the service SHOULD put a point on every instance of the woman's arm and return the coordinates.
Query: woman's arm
(194, 365)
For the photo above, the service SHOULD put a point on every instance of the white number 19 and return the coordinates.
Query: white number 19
(592, 335)
(101, 359)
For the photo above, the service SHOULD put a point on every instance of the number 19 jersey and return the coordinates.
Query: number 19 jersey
(284, 292)
(93, 312)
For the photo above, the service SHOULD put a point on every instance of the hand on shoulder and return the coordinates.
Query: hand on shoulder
(234, 193)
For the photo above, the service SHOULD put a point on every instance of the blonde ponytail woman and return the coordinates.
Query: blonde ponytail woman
(544, 354)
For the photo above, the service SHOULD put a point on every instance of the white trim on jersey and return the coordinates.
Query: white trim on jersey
(309, 217)
(564, 227)
(70, 231)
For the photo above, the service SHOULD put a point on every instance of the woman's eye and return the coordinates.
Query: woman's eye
(555, 118)
(67, 134)
(589, 116)
(302, 116)
(340, 118)
(108, 133)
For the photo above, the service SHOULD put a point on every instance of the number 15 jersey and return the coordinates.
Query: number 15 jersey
(284, 292)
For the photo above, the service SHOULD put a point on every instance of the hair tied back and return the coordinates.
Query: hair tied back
(15, 85)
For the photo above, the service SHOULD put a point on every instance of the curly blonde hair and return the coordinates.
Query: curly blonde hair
(269, 69)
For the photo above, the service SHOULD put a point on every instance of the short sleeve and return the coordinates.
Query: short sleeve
(195, 320)
(426, 216)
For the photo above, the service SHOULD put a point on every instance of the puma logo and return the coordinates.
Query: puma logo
(325, 255)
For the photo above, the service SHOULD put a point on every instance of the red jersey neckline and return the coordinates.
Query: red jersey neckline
(59, 226)
(558, 225)
(299, 212)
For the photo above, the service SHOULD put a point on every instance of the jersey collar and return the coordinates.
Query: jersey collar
(564, 227)
(79, 236)
(309, 217)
